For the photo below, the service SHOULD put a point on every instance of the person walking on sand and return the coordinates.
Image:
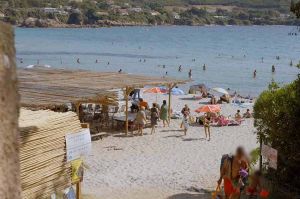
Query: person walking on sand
(164, 113)
(207, 120)
(186, 110)
(141, 120)
(230, 172)
(154, 117)
(185, 122)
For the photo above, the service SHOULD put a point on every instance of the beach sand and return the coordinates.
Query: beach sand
(165, 164)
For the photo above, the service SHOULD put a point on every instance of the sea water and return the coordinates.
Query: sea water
(230, 53)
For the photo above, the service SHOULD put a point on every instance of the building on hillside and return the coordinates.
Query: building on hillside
(102, 13)
(175, 15)
(54, 11)
(123, 12)
(154, 13)
(135, 9)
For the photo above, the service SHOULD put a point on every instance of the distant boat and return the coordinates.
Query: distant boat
(38, 66)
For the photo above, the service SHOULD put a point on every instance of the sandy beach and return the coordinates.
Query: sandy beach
(165, 164)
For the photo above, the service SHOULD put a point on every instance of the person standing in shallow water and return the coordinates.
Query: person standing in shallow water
(273, 69)
(254, 74)
(204, 67)
(164, 113)
(190, 74)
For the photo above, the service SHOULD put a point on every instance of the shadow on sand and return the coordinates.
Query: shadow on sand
(191, 196)
(192, 139)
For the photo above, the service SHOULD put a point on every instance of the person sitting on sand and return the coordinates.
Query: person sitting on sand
(141, 120)
(238, 116)
(154, 117)
(207, 121)
(186, 110)
(164, 113)
(247, 114)
(185, 122)
(143, 103)
(225, 98)
(230, 173)
(213, 100)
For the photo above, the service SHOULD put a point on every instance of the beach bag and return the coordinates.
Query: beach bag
(217, 193)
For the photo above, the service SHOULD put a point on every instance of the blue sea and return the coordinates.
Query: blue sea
(230, 53)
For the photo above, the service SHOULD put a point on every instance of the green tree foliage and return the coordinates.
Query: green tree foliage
(75, 18)
(277, 119)
(295, 8)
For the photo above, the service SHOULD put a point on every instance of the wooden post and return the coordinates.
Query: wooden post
(126, 111)
(78, 190)
(10, 187)
(169, 108)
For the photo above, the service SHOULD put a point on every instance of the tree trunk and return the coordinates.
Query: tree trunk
(9, 111)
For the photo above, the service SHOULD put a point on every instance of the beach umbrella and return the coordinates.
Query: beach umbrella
(156, 90)
(177, 91)
(220, 90)
(209, 108)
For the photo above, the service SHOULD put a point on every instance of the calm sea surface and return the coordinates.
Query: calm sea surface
(231, 54)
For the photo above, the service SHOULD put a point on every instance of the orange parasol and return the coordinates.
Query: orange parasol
(154, 90)
(209, 108)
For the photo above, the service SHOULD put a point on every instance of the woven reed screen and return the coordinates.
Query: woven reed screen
(44, 169)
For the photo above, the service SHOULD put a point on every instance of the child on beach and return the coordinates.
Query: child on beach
(185, 122)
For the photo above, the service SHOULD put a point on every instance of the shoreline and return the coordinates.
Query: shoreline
(127, 26)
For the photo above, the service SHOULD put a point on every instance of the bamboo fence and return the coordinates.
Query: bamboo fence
(44, 169)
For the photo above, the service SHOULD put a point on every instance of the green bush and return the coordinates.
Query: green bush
(277, 119)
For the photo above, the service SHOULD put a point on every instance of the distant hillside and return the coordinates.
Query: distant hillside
(278, 4)
(98, 13)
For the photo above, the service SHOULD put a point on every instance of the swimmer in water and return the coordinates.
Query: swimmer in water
(144, 60)
(107, 63)
(164, 66)
(262, 60)
(96, 61)
(166, 73)
(254, 74)
(140, 60)
(273, 69)
(21, 60)
(204, 67)
(179, 68)
(190, 73)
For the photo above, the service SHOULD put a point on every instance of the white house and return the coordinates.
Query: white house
(176, 15)
(136, 9)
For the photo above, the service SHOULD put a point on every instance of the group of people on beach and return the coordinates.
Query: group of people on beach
(157, 113)
(235, 174)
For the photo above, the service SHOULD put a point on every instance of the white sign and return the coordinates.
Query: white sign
(270, 154)
(78, 144)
